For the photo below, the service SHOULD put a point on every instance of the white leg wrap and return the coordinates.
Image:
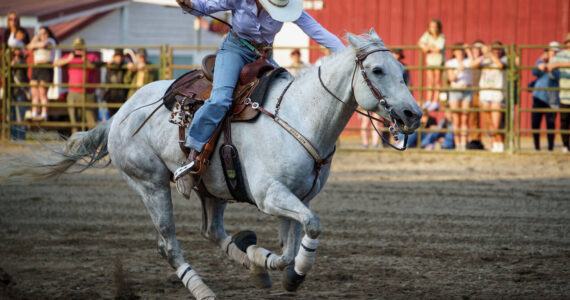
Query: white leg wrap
(235, 253)
(194, 283)
(264, 258)
(306, 257)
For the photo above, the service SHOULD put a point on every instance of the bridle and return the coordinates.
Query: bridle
(377, 94)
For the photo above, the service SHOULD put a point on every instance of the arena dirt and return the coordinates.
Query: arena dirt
(394, 226)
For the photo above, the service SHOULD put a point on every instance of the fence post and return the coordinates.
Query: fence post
(3, 79)
(163, 62)
(512, 79)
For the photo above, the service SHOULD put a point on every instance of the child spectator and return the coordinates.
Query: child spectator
(19, 94)
(445, 138)
(493, 63)
(365, 127)
(10, 39)
(459, 77)
(77, 96)
(474, 116)
(562, 61)
(297, 65)
(138, 75)
(115, 75)
(544, 99)
(432, 43)
(42, 44)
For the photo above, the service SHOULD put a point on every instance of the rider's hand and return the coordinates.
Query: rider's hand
(185, 4)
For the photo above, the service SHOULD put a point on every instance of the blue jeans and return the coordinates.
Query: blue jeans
(432, 137)
(231, 58)
(18, 132)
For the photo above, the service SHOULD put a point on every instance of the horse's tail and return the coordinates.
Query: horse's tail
(88, 146)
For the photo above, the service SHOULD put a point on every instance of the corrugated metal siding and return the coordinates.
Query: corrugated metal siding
(402, 22)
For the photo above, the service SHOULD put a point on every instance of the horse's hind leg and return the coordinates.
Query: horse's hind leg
(156, 196)
(235, 247)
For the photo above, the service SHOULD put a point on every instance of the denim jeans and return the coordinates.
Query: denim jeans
(536, 118)
(433, 137)
(18, 132)
(231, 58)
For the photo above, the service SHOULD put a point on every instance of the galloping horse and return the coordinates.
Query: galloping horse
(279, 172)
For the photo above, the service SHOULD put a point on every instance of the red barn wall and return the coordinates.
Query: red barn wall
(402, 22)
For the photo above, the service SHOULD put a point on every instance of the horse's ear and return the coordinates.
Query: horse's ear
(374, 35)
(354, 40)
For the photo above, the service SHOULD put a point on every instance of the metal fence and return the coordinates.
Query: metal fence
(513, 110)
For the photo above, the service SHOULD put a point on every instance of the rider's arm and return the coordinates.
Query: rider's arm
(318, 33)
(211, 6)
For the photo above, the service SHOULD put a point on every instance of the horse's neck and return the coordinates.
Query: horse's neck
(317, 114)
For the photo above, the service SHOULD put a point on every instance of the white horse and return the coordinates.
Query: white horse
(278, 170)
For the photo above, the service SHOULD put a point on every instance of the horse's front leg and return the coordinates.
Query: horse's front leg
(280, 201)
(234, 246)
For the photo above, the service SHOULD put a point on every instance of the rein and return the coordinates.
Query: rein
(377, 95)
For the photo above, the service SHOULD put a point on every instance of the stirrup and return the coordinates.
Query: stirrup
(184, 170)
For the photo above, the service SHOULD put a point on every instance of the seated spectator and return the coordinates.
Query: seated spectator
(399, 56)
(427, 122)
(445, 138)
(115, 75)
(459, 77)
(42, 44)
(19, 94)
(493, 63)
(140, 74)
(561, 61)
(544, 99)
(297, 65)
(13, 25)
(77, 95)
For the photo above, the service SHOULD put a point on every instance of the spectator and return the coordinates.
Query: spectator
(19, 94)
(459, 76)
(77, 95)
(297, 65)
(427, 122)
(13, 22)
(42, 44)
(493, 63)
(562, 61)
(115, 75)
(474, 116)
(365, 128)
(140, 74)
(399, 56)
(445, 138)
(544, 99)
(432, 43)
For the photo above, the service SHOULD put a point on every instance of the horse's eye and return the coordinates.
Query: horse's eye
(378, 71)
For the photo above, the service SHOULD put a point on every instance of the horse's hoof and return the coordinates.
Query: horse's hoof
(259, 277)
(244, 239)
(291, 280)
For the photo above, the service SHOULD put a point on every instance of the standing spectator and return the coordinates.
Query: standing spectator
(562, 61)
(297, 65)
(115, 75)
(432, 43)
(365, 128)
(459, 76)
(42, 44)
(493, 63)
(543, 99)
(77, 95)
(474, 116)
(19, 94)
(13, 22)
(399, 56)
(140, 74)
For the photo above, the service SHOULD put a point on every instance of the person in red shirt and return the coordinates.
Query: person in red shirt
(76, 95)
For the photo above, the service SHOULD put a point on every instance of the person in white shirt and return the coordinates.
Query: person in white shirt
(459, 76)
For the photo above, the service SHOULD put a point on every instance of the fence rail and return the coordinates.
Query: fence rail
(512, 110)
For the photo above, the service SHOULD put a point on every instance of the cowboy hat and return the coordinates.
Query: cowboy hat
(283, 10)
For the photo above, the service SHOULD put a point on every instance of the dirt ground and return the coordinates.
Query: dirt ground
(411, 225)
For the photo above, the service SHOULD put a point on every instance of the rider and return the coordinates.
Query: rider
(254, 22)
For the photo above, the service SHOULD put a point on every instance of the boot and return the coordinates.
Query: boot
(188, 166)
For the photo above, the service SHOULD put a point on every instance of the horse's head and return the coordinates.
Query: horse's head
(379, 83)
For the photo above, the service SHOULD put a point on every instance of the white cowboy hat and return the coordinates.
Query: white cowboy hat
(283, 10)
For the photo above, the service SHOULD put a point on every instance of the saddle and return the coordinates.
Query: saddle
(190, 91)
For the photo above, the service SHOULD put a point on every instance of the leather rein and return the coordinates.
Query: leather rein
(359, 61)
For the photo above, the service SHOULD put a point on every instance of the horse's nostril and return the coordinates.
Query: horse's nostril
(408, 113)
